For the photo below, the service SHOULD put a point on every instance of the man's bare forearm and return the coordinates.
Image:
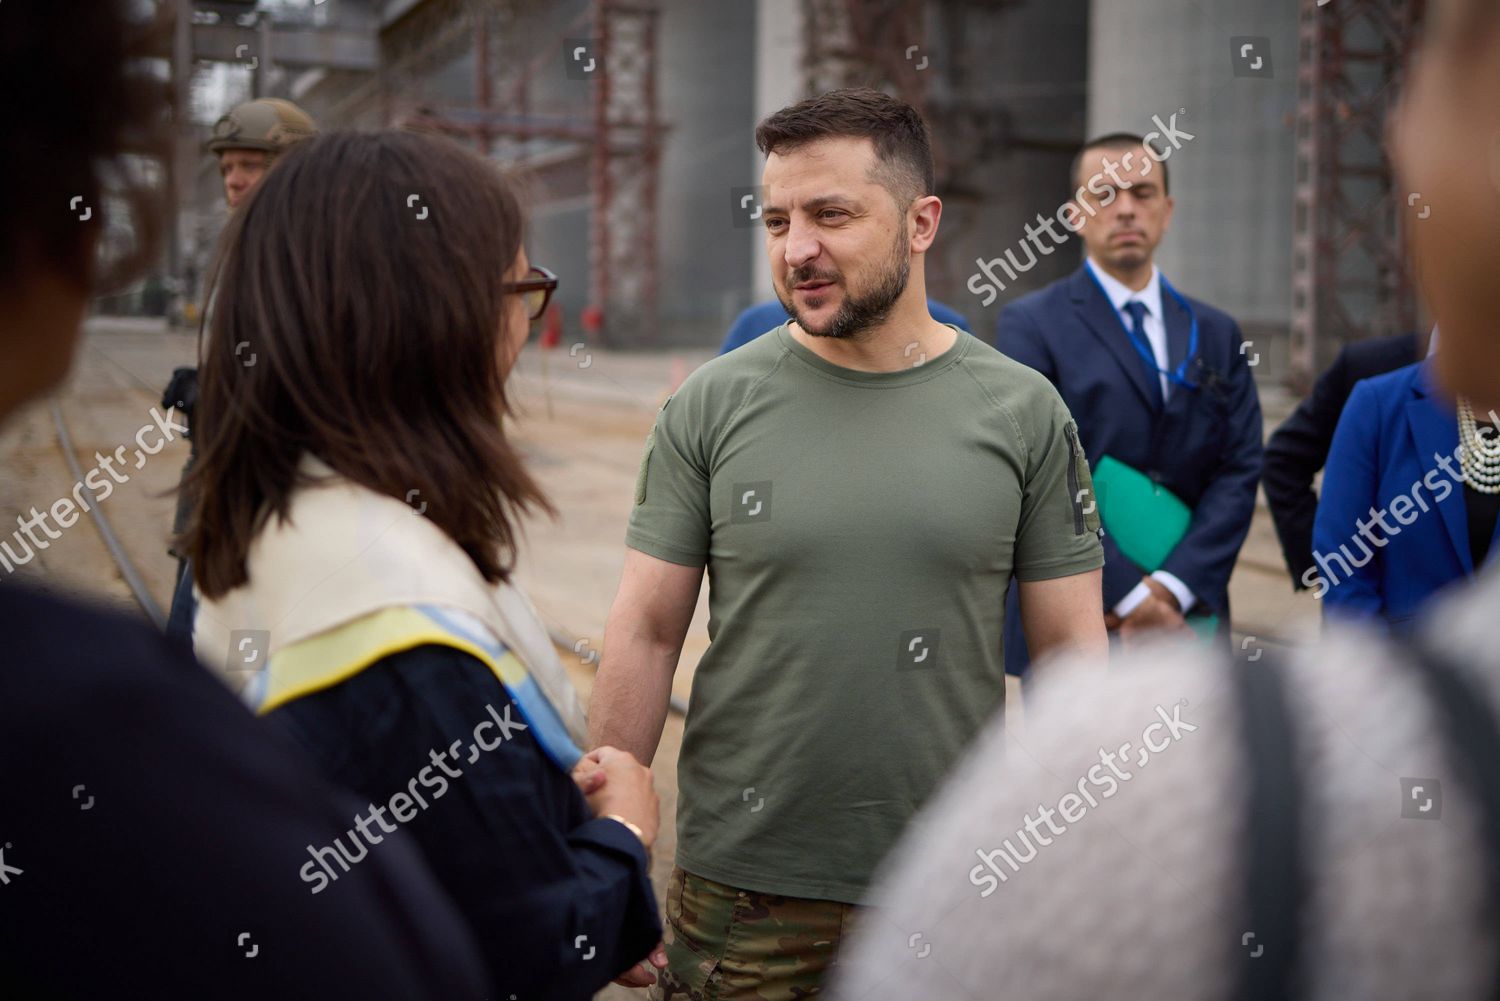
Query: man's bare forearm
(642, 642)
(1089, 640)
(1065, 615)
(631, 694)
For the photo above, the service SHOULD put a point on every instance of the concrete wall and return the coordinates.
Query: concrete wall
(706, 76)
(1230, 242)
(778, 83)
(1025, 67)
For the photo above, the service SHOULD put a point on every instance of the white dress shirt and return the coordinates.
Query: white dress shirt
(1156, 333)
(1154, 321)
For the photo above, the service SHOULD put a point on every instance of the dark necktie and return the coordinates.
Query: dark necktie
(1137, 311)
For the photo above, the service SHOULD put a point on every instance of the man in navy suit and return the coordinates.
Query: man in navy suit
(1154, 379)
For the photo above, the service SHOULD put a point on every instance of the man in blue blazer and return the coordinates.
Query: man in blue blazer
(1156, 380)
(1396, 523)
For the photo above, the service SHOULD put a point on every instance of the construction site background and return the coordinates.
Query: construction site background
(631, 123)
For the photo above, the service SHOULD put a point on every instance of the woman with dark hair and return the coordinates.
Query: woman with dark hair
(353, 536)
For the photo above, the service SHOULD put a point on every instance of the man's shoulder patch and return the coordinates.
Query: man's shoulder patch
(1081, 486)
(640, 476)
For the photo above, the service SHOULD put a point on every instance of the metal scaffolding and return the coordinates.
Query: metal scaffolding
(626, 168)
(1349, 277)
(618, 131)
(601, 135)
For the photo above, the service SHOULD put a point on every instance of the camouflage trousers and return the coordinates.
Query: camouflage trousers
(728, 944)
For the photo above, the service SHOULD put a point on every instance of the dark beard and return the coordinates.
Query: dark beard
(859, 314)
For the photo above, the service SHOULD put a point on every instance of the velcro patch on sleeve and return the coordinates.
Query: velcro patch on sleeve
(640, 476)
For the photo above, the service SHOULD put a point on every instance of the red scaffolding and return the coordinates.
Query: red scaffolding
(619, 133)
(1349, 276)
(626, 167)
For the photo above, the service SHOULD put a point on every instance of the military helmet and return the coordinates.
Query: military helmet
(268, 124)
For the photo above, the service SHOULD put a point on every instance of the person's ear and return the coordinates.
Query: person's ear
(923, 218)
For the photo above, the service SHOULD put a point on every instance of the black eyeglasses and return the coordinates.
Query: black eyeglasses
(537, 288)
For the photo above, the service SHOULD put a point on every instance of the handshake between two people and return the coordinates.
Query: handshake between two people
(616, 785)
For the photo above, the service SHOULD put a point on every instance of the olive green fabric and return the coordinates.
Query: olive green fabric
(860, 530)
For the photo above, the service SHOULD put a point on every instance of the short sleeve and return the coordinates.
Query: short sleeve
(670, 518)
(1058, 532)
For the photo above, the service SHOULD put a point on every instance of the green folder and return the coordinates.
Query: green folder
(1146, 520)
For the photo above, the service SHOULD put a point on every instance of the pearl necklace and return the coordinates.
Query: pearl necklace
(1479, 454)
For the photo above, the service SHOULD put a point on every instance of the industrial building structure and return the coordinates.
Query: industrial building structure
(631, 123)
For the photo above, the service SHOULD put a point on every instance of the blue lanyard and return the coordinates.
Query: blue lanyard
(1179, 374)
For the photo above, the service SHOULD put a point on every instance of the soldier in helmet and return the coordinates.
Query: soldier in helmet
(248, 138)
(246, 141)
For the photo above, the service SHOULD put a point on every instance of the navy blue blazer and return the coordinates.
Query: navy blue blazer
(1204, 445)
(1299, 448)
(1396, 439)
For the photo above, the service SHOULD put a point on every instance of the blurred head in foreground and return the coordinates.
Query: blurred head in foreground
(1134, 841)
(1446, 143)
(94, 119)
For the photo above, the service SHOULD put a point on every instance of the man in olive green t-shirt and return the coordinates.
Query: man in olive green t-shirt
(861, 483)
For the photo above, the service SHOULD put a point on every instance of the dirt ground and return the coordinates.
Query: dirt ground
(583, 419)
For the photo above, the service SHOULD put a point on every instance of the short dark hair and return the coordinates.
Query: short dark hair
(365, 275)
(903, 148)
(1117, 141)
(85, 116)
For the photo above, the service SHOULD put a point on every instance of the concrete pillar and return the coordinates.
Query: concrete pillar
(778, 83)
